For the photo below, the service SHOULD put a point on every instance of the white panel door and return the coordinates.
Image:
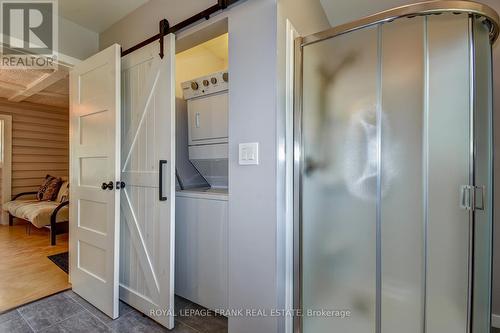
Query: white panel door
(95, 161)
(148, 169)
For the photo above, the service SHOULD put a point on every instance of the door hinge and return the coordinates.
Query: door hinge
(472, 197)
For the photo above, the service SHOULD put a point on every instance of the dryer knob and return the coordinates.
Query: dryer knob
(213, 80)
(194, 85)
(206, 83)
(225, 77)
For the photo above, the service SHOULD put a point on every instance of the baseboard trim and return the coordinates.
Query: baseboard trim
(495, 320)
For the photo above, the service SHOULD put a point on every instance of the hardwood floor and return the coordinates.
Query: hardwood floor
(25, 271)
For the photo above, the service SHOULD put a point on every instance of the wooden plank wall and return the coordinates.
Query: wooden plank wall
(1, 199)
(40, 143)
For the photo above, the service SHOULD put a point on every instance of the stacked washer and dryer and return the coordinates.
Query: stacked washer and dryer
(201, 273)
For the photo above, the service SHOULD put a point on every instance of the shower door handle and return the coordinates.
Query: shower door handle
(469, 197)
(465, 197)
(160, 180)
(482, 191)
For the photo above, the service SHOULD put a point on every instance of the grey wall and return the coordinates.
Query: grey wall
(252, 199)
(142, 23)
(76, 41)
(307, 17)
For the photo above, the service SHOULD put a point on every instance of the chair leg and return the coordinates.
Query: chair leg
(52, 237)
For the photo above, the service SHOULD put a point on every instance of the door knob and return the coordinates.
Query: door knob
(108, 186)
(120, 185)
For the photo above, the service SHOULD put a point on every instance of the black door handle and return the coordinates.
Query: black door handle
(160, 185)
(108, 186)
(120, 185)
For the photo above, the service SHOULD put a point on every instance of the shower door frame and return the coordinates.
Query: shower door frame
(408, 11)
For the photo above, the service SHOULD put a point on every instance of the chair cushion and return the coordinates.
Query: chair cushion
(37, 212)
(49, 189)
(63, 194)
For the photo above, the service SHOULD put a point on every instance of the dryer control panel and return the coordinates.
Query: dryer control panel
(206, 85)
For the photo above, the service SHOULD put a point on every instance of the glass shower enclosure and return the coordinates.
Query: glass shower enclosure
(393, 172)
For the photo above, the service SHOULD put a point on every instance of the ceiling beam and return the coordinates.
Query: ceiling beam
(52, 94)
(38, 85)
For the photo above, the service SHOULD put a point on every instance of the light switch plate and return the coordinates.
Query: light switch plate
(249, 153)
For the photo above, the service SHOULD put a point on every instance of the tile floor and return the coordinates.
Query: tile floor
(68, 312)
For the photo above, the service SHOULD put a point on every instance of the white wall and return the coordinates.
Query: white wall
(253, 277)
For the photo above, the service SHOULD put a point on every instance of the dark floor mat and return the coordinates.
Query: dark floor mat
(61, 260)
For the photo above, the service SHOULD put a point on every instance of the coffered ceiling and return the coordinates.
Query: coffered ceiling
(43, 86)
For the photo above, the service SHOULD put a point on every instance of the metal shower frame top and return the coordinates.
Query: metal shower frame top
(435, 7)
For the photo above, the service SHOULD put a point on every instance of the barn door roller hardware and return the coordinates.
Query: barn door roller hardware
(164, 25)
(166, 29)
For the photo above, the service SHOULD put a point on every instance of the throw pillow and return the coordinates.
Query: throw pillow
(49, 189)
(63, 194)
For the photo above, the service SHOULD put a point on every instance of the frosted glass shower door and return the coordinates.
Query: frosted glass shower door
(403, 160)
(340, 181)
(395, 120)
(447, 148)
(483, 133)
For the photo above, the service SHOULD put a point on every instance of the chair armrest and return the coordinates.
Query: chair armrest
(53, 221)
(53, 216)
(22, 194)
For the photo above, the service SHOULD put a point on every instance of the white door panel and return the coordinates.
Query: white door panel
(202, 251)
(147, 223)
(95, 159)
(208, 119)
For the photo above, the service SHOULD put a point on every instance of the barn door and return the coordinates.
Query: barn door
(147, 202)
(94, 171)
